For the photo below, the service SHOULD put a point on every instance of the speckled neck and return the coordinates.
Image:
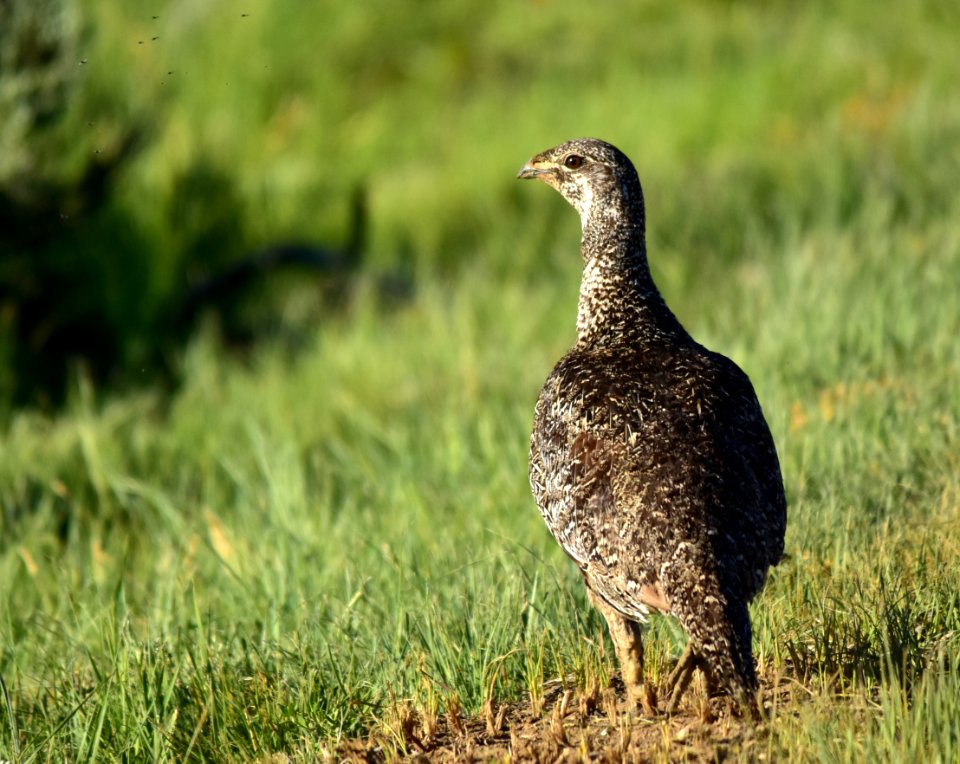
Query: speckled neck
(618, 299)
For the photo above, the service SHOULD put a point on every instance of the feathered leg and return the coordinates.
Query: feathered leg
(628, 642)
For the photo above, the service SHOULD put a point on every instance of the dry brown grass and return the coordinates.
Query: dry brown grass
(575, 725)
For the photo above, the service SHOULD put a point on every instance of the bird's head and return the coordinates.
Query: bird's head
(592, 175)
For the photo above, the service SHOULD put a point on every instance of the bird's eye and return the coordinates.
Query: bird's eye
(573, 162)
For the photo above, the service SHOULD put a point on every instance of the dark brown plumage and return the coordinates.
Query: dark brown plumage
(650, 459)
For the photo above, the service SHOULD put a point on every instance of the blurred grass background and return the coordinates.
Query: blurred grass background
(220, 549)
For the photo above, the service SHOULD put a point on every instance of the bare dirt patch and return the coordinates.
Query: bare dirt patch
(572, 725)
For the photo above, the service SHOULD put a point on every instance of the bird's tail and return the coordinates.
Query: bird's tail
(722, 639)
(719, 630)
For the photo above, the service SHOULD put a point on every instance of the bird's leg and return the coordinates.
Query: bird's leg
(680, 677)
(628, 642)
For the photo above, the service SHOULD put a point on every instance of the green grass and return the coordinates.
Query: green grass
(290, 545)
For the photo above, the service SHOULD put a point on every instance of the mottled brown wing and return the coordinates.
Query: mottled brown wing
(753, 454)
(581, 480)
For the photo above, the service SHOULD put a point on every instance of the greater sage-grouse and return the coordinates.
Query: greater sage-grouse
(650, 459)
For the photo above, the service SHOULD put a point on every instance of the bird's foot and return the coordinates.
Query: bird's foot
(748, 705)
(644, 697)
(679, 679)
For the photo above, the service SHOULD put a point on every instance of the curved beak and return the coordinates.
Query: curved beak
(530, 170)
